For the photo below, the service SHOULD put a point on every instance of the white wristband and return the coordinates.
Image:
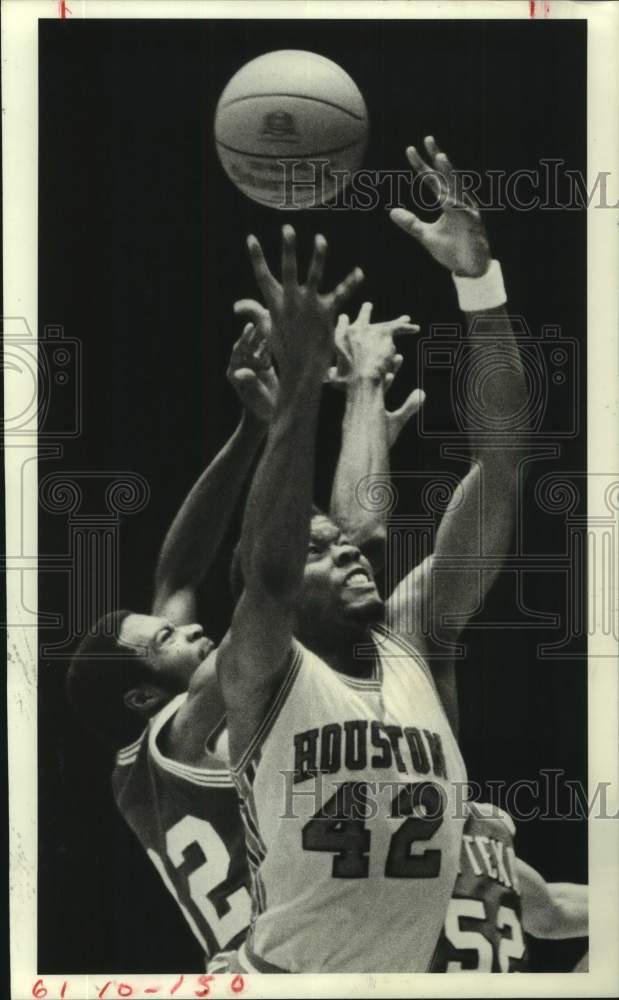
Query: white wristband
(477, 294)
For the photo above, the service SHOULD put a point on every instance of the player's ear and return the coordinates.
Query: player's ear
(143, 699)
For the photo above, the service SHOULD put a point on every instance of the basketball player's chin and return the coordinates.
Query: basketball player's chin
(366, 609)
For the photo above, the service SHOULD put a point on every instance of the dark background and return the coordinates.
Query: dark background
(141, 256)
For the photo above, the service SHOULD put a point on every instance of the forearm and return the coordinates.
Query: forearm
(276, 527)
(552, 909)
(494, 383)
(363, 464)
(557, 912)
(478, 522)
(195, 535)
(570, 908)
(494, 380)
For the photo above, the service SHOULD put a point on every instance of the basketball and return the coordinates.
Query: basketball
(284, 123)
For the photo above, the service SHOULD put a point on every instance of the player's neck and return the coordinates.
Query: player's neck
(340, 655)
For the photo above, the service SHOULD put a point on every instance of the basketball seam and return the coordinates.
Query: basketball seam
(283, 156)
(275, 202)
(301, 97)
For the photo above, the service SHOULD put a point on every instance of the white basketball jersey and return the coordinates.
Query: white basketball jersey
(350, 794)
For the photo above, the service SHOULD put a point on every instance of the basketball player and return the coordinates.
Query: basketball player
(497, 900)
(308, 710)
(493, 903)
(346, 764)
(498, 897)
(170, 781)
(146, 685)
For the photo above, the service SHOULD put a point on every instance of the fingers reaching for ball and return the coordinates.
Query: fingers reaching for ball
(457, 239)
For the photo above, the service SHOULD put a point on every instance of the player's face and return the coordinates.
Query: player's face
(339, 587)
(172, 651)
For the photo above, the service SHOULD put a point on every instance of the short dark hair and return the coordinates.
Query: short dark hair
(101, 672)
(236, 569)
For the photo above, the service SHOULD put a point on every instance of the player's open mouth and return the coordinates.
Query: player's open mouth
(358, 578)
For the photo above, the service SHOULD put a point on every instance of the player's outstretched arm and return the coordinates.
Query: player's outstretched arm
(367, 365)
(362, 350)
(275, 534)
(478, 522)
(196, 533)
(552, 909)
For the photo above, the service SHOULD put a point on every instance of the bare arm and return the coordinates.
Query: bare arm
(367, 363)
(275, 532)
(273, 549)
(196, 533)
(440, 594)
(552, 909)
(448, 587)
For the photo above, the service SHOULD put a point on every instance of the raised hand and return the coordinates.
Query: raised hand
(367, 350)
(457, 239)
(251, 372)
(302, 318)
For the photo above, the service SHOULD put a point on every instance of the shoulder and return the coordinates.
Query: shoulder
(126, 756)
(250, 726)
(391, 642)
(170, 745)
(146, 768)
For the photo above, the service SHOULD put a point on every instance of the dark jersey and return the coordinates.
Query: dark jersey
(187, 819)
(483, 928)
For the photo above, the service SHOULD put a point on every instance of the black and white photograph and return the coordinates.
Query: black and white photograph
(310, 364)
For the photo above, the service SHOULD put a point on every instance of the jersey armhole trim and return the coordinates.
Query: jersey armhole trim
(187, 772)
(407, 647)
(127, 755)
(296, 655)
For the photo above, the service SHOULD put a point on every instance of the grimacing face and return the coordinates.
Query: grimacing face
(339, 589)
(173, 652)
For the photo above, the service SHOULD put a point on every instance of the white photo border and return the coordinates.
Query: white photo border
(20, 205)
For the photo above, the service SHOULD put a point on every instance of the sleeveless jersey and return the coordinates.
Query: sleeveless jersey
(348, 793)
(483, 928)
(187, 819)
